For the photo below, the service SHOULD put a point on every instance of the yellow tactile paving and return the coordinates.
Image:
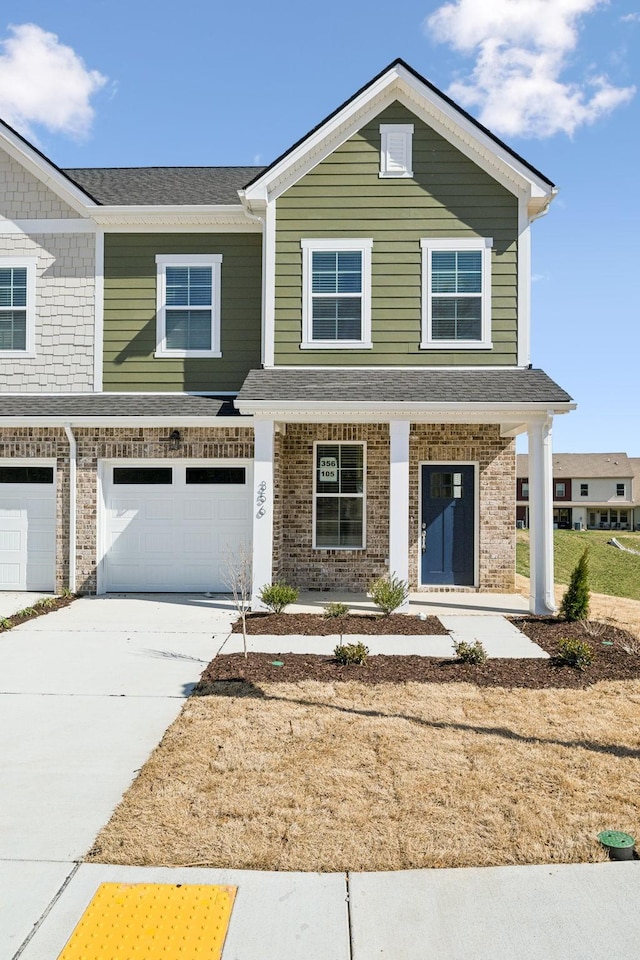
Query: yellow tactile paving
(152, 920)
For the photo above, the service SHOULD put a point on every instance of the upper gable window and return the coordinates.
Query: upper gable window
(17, 307)
(456, 293)
(188, 299)
(336, 299)
(396, 140)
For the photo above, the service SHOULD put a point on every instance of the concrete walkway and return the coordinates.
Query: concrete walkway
(85, 695)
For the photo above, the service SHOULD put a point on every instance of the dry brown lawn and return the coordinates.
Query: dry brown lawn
(621, 611)
(329, 777)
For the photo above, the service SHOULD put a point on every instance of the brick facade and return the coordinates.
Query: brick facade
(496, 459)
(294, 558)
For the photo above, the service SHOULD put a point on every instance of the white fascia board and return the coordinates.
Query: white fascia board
(98, 422)
(150, 217)
(45, 171)
(502, 413)
(399, 84)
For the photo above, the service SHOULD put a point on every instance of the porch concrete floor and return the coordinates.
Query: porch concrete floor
(431, 603)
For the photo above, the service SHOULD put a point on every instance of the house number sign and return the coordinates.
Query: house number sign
(261, 499)
(328, 469)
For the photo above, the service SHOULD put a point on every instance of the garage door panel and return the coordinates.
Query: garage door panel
(175, 537)
(27, 532)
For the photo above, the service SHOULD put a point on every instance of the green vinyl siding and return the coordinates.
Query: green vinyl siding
(130, 313)
(448, 196)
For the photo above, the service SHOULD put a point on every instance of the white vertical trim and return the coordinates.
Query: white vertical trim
(98, 326)
(101, 523)
(399, 500)
(541, 598)
(524, 284)
(269, 286)
(73, 505)
(262, 507)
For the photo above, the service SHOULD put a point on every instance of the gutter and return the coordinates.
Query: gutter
(73, 505)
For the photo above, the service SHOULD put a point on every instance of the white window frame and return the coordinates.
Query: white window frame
(164, 260)
(623, 492)
(30, 264)
(428, 246)
(309, 247)
(340, 443)
(558, 494)
(406, 129)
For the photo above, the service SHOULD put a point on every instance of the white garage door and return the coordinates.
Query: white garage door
(172, 526)
(27, 527)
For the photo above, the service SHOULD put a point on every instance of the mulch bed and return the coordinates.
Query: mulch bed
(611, 662)
(38, 609)
(315, 625)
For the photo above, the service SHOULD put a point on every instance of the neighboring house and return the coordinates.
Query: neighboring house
(327, 358)
(592, 491)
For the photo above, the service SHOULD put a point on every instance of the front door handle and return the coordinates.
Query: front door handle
(423, 537)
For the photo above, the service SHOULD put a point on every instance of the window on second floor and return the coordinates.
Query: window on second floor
(584, 489)
(561, 488)
(620, 489)
(525, 490)
(336, 294)
(456, 293)
(17, 307)
(188, 301)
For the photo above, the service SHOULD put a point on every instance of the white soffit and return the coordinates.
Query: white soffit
(400, 84)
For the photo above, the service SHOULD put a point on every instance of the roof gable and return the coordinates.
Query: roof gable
(400, 82)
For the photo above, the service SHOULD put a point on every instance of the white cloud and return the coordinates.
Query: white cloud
(522, 49)
(43, 82)
(630, 18)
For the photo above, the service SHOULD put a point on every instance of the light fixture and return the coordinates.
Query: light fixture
(174, 440)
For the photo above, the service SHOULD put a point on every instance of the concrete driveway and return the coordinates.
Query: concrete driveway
(86, 693)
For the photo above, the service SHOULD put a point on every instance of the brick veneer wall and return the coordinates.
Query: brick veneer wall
(141, 443)
(496, 458)
(300, 564)
(31, 442)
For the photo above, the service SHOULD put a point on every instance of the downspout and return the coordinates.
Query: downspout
(73, 505)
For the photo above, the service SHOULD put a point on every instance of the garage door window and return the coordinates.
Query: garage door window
(26, 474)
(217, 475)
(140, 475)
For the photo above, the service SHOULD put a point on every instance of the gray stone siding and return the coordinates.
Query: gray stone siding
(495, 455)
(64, 309)
(24, 197)
(300, 564)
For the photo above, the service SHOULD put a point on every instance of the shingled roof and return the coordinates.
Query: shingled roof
(83, 405)
(587, 465)
(163, 185)
(401, 386)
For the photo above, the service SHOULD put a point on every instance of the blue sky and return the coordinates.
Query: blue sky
(136, 83)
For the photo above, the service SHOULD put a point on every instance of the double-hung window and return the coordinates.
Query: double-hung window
(339, 496)
(336, 294)
(17, 307)
(456, 293)
(188, 301)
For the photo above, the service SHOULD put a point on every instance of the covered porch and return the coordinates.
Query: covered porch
(433, 471)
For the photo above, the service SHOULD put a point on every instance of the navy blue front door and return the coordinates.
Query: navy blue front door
(447, 524)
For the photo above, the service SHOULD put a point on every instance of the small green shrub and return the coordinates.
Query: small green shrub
(470, 652)
(389, 593)
(351, 653)
(575, 603)
(46, 603)
(27, 612)
(336, 609)
(277, 596)
(5, 624)
(575, 653)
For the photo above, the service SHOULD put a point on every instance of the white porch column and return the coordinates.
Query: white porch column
(541, 598)
(399, 500)
(262, 568)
